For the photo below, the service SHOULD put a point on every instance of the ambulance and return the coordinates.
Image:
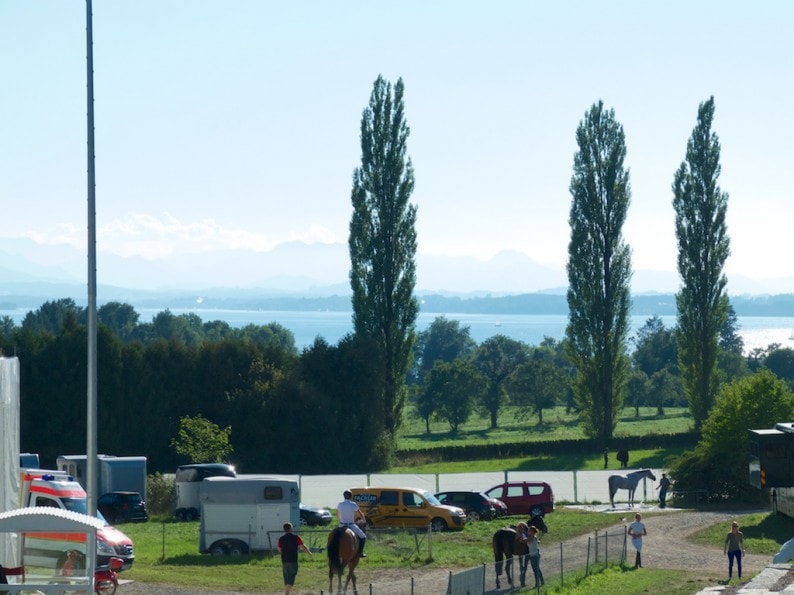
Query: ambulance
(42, 487)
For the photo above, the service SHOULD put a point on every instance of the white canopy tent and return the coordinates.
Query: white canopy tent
(53, 520)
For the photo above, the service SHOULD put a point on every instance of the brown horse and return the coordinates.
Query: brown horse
(507, 543)
(343, 551)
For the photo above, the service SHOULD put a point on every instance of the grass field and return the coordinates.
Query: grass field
(166, 552)
(513, 427)
(558, 425)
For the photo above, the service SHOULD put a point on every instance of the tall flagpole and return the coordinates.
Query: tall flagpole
(91, 397)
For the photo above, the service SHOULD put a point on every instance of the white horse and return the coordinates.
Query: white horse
(627, 482)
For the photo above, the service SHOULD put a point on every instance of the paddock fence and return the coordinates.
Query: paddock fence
(558, 564)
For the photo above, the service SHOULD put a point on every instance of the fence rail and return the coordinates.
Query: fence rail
(580, 487)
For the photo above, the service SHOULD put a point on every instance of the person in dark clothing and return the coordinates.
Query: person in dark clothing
(623, 457)
(288, 546)
(664, 485)
(606, 457)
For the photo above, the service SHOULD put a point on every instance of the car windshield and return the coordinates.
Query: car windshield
(430, 498)
(79, 505)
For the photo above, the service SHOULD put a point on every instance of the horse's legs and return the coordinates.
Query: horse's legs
(351, 578)
(523, 562)
(509, 569)
(498, 569)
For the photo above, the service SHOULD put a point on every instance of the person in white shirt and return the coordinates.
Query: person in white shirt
(349, 514)
(637, 532)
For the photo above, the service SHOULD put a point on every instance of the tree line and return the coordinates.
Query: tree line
(309, 411)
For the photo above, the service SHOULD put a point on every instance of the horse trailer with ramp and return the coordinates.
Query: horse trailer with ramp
(240, 515)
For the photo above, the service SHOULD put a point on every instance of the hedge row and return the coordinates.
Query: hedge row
(471, 452)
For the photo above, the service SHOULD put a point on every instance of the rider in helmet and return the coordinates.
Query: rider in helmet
(348, 514)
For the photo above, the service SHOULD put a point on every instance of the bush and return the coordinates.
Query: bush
(160, 494)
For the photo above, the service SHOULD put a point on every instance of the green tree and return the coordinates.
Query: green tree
(703, 247)
(7, 325)
(536, 385)
(599, 271)
(445, 340)
(51, 316)
(781, 363)
(730, 339)
(495, 359)
(637, 388)
(202, 441)
(120, 318)
(454, 387)
(382, 243)
(655, 348)
(719, 461)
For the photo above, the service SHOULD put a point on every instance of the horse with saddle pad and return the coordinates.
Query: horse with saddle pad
(343, 552)
(509, 542)
(627, 482)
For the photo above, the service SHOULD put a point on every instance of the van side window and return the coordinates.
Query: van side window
(40, 501)
(515, 491)
(412, 500)
(535, 490)
(389, 498)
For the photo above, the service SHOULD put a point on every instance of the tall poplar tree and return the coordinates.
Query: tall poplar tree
(703, 247)
(383, 243)
(599, 271)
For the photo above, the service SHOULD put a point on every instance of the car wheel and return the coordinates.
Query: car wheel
(473, 516)
(536, 511)
(303, 522)
(438, 525)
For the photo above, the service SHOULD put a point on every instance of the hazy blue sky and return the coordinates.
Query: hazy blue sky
(231, 123)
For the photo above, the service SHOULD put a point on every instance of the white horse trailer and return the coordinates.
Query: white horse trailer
(240, 515)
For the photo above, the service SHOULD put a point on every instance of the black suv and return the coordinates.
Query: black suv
(122, 507)
(476, 504)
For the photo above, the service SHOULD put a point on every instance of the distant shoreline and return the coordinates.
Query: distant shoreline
(648, 305)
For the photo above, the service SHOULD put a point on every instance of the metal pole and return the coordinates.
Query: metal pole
(91, 397)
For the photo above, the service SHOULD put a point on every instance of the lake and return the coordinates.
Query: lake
(757, 331)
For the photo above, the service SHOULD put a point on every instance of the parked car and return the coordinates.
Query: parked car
(499, 506)
(524, 497)
(407, 507)
(476, 504)
(314, 516)
(122, 507)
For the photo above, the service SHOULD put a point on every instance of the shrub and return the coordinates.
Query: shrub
(160, 494)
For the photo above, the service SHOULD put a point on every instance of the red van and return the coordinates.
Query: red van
(524, 497)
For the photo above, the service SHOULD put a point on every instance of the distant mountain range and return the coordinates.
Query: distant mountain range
(315, 276)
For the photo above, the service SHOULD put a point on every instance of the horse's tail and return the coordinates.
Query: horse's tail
(498, 546)
(334, 557)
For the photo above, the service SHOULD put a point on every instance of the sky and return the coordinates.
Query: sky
(234, 124)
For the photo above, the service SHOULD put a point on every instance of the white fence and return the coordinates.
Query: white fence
(580, 487)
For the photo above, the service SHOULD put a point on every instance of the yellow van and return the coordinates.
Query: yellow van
(407, 507)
